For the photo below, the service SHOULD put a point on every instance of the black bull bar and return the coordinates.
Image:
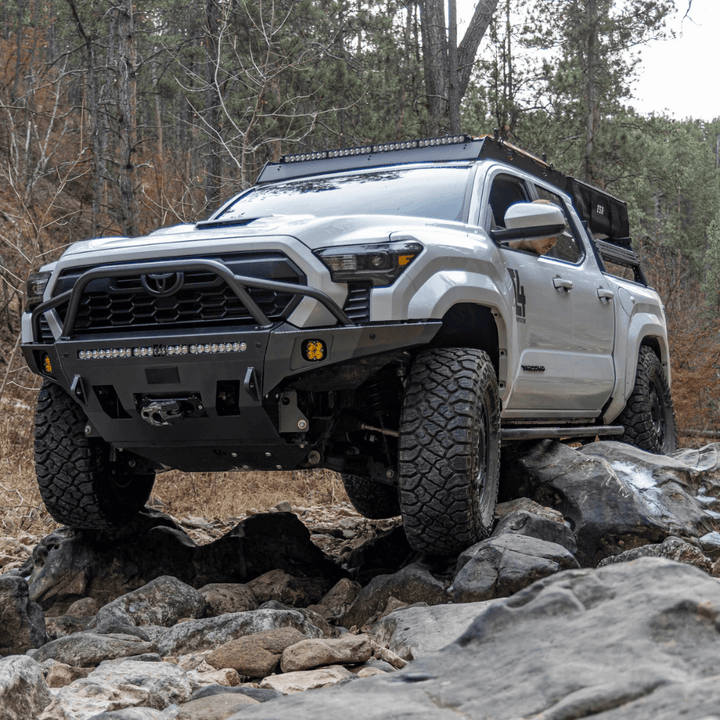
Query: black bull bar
(238, 284)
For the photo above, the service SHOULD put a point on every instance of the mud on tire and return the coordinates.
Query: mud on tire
(79, 484)
(449, 450)
(649, 417)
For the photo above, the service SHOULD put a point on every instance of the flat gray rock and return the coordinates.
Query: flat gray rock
(87, 649)
(209, 633)
(414, 632)
(628, 641)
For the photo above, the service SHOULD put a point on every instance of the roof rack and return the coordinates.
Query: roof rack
(605, 215)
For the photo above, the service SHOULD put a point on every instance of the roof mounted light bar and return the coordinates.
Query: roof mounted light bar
(370, 149)
(437, 149)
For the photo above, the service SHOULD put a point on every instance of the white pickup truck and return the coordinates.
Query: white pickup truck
(396, 313)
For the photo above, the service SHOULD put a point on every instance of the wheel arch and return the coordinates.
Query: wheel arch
(644, 330)
(468, 324)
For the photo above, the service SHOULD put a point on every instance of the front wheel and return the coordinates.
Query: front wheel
(649, 417)
(449, 450)
(79, 483)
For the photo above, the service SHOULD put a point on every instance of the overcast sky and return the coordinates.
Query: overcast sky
(678, 77)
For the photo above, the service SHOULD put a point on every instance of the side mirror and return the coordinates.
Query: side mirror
(531, 221)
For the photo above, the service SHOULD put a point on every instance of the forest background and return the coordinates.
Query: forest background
(118, 117)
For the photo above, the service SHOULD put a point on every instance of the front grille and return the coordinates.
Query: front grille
(357, 303)
(204, 299)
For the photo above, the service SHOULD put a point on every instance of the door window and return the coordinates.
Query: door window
(506, 191)
(567, 247)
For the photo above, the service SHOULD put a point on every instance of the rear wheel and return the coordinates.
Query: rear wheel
(449, 450)
(79, 483)
(649, 417)
(372, 500)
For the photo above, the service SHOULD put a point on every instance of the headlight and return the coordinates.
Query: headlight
(35, 289)
(379, 263)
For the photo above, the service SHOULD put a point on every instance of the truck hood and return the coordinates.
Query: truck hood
(312, 231)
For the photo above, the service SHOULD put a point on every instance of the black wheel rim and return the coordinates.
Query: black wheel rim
(657, 413)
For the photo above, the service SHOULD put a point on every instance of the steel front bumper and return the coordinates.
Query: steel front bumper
(229, 413)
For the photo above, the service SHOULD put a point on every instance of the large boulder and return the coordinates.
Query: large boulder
(525, 517)
(615, 497)
(69, 565)
(162, 601)
(413, 584)
(631, 640)
(24, 694)
(22, 624)
(506, 563)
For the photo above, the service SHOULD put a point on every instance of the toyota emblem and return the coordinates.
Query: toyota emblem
(162, 284)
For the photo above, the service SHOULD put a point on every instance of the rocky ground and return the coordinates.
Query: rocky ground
(596, 595)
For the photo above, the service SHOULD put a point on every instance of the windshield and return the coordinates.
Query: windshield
(432, 192)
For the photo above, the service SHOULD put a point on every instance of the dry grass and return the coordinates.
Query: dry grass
(21, 508)
(225, 495)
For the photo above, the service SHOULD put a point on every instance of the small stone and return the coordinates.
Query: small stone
(287, 589)
(255, 655)
(84, 607)
(59, 675)
(223, 598)
(294, 682)
(313, 653)
(284, 506)
(214, 707)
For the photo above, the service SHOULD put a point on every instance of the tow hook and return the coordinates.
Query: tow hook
(164, 412)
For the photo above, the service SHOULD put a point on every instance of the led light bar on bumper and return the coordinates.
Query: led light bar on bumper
(162, 350)
(379, 263)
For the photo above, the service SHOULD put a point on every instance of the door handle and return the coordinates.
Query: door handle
(561, 284)
(604, 294)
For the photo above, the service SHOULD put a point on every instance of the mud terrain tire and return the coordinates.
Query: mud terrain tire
(649, 417)
(371, 499)
(449, 450)
(79, 484)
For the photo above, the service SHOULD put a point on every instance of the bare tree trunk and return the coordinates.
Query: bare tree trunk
(444, 60)
(127, 121)
(453, 77)
(591, 92)
(212, 105)
(471, 41)
(435, 60)
(98, 131)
